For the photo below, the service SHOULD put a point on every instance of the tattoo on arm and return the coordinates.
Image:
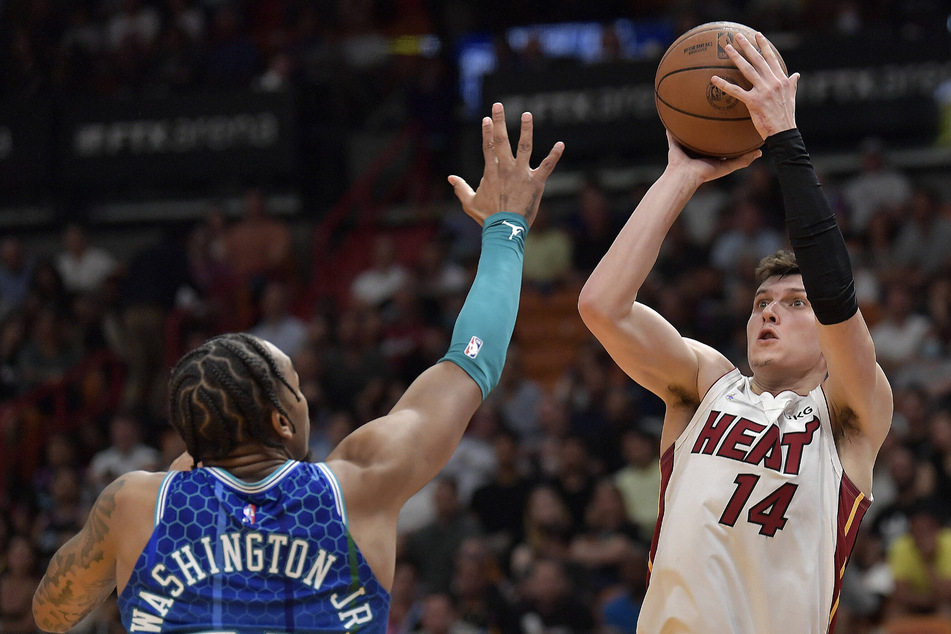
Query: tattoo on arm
(82, 572)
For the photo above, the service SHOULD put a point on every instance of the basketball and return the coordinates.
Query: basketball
(700, 116)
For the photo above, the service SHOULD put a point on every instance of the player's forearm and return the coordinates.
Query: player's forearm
(615, 282)
(813, 231)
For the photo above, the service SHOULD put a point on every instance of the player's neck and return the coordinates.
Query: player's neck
(250, 464)
(765, 382)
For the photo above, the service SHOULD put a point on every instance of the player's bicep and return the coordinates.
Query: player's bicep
(856, 383)
(650, 350)
(82, 573)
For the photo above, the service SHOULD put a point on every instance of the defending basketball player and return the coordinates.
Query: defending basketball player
(765, 479)
(256, 540)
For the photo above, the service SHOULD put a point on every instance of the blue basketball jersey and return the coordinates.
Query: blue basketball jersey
(271, 556)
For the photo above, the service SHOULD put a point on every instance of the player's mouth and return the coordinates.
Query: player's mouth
(767, 335)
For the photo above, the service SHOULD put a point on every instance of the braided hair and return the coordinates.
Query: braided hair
(222, 394)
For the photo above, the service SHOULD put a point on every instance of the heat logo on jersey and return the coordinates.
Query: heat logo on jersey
(731, 436)
(472, 350)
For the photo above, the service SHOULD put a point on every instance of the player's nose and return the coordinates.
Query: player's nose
(769, 313)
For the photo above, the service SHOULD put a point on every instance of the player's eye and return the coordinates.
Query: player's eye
(799, 302)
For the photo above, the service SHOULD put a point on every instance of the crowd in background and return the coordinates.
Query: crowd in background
(542, 519)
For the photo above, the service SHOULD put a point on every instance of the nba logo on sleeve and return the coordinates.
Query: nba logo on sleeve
(472, 350)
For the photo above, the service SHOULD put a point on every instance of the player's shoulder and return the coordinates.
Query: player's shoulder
(135, 487)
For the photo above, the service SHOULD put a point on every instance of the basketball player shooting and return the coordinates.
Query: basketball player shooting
(765, 478)
(257, 540)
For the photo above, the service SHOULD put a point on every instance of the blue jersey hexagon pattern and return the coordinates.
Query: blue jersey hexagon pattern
(273, 556)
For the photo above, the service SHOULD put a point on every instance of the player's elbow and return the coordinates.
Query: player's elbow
(596, 310)
(44, 617)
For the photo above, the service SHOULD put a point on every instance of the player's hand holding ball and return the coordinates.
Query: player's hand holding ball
(718, 95)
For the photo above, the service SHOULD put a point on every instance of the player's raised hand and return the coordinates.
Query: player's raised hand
(772, 98)
(508, 181)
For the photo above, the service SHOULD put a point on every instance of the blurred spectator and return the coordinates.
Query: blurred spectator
(574, 481)
(147, 295)
(18, 582)
(473, 462)
(480, 601)
(639, 479)
(354, 364)
(518, 397)
(259, 246)
(136, 23)
(922, 242)
(64, 517)
(605, 539)
(278, 74)
(404, 330)
(551, 603)
(920, 562)
(82, 267)
(12, 335)
(939, 458)
(548, 530)
(47, 354)
(432, 548)
(277, 324)
(618, 611)
(176, 66)
(876, 187)
(440, 616)
(867, 584)
(592, 227)
(126, 452)
(16, 271)
(376, 285)
(405, 603)
(499, 505)
(231, 58)
(548, 253)
(893, 519)
(186, 17)
(327, 434)
(746, 241)
(901, 334)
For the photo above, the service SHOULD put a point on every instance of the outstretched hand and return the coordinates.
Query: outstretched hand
(508, 182)
(772, 98)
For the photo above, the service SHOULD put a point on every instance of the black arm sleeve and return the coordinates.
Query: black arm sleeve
(813, 231)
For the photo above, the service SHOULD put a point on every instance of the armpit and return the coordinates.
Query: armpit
(682, 397)
(845, 423)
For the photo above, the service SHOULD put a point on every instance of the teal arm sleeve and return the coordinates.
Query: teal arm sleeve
(484, 326)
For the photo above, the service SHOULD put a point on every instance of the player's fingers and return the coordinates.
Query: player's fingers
(503, 149)
(772, 60)
(732, 164)
(462, 190)
(729, 87)
(742, 64)
(488, 143)
(525, 138)
(548, 164)
(753, 56)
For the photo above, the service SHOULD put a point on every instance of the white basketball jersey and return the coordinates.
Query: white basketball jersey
(756, 521)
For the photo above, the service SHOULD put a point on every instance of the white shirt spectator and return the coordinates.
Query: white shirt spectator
(87, 271)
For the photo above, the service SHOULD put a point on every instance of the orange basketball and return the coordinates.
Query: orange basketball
(700, 116)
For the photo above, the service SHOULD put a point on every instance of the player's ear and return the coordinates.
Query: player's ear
(283, 427)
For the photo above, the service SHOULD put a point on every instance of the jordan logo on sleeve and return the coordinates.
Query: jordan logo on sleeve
(515, 228)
